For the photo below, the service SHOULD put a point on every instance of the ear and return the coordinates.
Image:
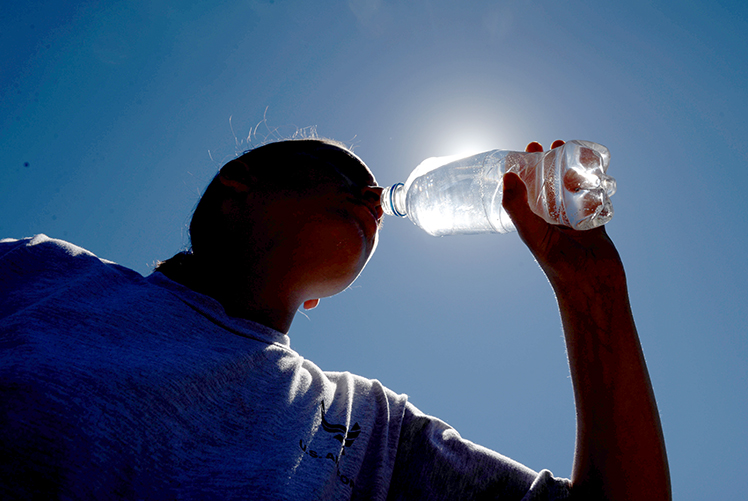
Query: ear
(236, 175)
(310, 304)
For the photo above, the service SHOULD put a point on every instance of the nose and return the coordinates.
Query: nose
(373, 192)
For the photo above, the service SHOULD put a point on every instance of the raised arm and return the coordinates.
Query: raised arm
(620, 451)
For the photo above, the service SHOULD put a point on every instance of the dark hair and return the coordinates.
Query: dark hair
(272, 164)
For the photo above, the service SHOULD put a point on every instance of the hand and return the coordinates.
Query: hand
(566, 256)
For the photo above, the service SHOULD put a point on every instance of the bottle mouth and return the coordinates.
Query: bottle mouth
(388, 200)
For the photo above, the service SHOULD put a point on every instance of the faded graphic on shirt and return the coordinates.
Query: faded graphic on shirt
(343, 435)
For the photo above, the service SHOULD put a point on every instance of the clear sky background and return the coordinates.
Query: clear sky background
(114, 115)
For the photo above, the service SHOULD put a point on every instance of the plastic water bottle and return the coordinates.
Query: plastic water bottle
(567, 185)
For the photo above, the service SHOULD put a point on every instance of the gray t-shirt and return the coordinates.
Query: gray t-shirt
(113, 385)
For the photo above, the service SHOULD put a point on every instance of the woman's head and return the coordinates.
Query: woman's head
(306, 203)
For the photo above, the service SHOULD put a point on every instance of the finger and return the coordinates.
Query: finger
(530, 226)
(557, 143)
(534, 147)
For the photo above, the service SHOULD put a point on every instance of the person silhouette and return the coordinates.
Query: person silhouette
(183, 384)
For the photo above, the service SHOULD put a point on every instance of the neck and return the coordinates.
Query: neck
(241, 293)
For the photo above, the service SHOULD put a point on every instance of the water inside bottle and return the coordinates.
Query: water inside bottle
(566, 185)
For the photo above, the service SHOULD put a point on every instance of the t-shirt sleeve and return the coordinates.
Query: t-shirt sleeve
(434, 462)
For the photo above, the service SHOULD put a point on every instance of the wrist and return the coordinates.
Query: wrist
(589, 278)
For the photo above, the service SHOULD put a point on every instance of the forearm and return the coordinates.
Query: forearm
(620, 452)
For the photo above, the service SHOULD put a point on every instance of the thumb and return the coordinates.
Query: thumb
(515, 203)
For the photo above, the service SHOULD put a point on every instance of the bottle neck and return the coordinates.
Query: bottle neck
(393, 200)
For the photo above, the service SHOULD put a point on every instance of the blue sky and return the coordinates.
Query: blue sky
(114, 116)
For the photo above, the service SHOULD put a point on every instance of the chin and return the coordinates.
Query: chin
(339, 277)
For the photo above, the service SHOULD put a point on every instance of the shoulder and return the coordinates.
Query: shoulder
(33, 268)
(27, 255)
